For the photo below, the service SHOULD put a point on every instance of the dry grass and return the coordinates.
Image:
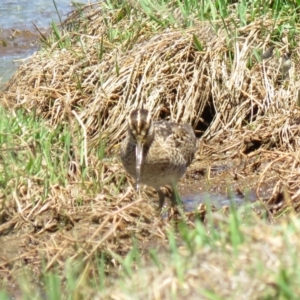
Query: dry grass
(255, 271)
(215, 89)
(239, 106)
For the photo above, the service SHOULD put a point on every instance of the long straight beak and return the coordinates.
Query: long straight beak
(139, 160)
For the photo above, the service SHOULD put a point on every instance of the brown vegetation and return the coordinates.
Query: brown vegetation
(240, 107)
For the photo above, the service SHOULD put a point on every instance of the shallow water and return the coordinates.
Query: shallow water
(18, 36)
(191, 202)
(19, 14)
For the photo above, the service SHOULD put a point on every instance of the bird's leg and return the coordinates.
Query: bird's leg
(175, 198)
(161, 196)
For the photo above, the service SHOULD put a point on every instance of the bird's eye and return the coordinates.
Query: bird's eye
(143, 132)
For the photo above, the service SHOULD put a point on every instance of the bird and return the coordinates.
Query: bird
(268, 53)
(157, 153)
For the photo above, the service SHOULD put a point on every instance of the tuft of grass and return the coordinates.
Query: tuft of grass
(30, 148)
(236, 235)
(52, 286)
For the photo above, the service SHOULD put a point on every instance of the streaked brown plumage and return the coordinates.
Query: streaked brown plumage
(157, 153)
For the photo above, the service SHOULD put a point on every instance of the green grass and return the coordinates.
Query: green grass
(207, 252)
(124, 23)
(225, 255)
(29, 148)
(32, 154)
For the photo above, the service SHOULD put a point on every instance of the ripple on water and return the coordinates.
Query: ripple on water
(16, 22)
(19, 14)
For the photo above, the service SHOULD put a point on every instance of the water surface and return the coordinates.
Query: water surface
(18, 36)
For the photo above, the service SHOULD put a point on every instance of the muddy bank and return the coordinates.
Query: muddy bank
(16, 41)
(15, 46)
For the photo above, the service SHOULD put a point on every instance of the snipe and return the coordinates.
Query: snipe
(157, 153)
